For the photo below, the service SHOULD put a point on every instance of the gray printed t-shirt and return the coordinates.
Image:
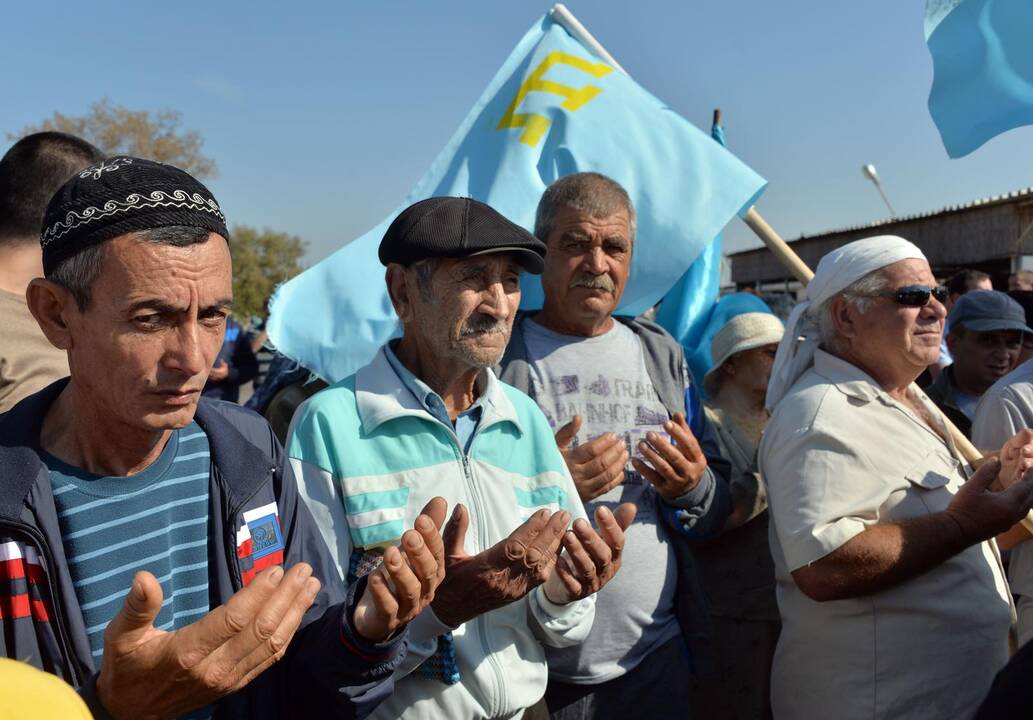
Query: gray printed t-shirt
(604, 380)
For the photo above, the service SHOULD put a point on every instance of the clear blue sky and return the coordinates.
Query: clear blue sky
(321, 116)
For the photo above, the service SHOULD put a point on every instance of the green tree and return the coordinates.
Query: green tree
(262, 259)
(116, 130)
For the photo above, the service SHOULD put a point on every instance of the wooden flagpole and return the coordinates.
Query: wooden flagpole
(566, 18)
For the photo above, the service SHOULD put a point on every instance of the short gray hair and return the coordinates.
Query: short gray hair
(77, 273)
(860, 294)
(424, 271)
(588, 192)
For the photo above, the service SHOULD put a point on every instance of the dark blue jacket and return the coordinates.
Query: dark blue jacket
(328, 671)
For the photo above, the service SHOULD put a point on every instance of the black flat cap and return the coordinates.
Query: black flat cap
(457, 227)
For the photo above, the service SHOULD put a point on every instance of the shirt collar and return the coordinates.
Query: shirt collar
(849, 379)
(426, 396)
(854, 382)
(383, 393)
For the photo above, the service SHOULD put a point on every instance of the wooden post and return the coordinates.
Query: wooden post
(788, 257)
(785, 254)
(564, 17)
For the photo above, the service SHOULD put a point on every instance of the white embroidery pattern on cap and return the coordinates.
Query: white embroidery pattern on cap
(159, 198)
(95, 171)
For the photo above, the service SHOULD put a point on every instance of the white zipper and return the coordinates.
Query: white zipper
(496, 696)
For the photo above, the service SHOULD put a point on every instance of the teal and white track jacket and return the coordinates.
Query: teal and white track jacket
(368, 457)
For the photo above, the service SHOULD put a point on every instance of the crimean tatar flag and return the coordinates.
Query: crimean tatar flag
(686, 307)
(553, 108)
(982, 69)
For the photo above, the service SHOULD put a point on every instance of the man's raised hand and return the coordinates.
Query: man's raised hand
(406, 581)
(676, 468)
(219, 372)
(592, 558)
(1016, 458)
(148, 673)
(596, 466)
(982, 513)
(151, 673)
(508, 570)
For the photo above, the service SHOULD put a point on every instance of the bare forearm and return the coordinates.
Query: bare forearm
(1016, 535)
(883, 556)
(887, 554)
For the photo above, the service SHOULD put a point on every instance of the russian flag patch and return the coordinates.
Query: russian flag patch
(260, 540)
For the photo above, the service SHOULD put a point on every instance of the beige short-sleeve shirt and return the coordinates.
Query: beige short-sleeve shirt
(28, 362)
(838, 455)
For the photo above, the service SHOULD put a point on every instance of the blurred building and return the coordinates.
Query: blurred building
(994, 235)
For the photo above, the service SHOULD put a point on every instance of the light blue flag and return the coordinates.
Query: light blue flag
(982, 69)
(552, 109)
(686, 307)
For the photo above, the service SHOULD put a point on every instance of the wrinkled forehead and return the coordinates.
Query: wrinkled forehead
(576, 221)
(133, 268)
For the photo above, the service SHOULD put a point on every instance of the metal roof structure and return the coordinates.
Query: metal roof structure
(985, 233)
(1014, 195)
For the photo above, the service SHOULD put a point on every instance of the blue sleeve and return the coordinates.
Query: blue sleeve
(701, 513)
(282, 372)
(694, 410)
(334, 671)
(243, 365)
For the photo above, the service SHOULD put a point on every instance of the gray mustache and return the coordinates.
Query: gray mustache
(483, 325)
(593, 282)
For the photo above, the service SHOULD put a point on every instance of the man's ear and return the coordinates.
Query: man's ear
(52, 306)
(952, 341)
(728, 366)
(844, 318)
(400, 291)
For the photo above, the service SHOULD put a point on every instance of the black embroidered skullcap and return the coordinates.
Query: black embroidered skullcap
(457, 227)
(122, 195)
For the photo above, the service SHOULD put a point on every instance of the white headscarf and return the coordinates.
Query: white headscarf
(837, 271)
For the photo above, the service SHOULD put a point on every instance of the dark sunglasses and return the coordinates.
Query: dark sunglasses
(917, 295)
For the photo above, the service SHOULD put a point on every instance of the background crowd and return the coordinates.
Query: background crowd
(505, 513)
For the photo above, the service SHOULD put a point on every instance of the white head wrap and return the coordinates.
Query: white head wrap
(837, 271)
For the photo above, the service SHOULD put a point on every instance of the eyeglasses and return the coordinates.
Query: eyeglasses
(917, 295)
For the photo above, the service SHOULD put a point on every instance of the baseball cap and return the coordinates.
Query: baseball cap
(457, 227)
(986, 311)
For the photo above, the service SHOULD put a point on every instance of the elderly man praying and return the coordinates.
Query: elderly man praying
(892, 597)
(428, 417)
